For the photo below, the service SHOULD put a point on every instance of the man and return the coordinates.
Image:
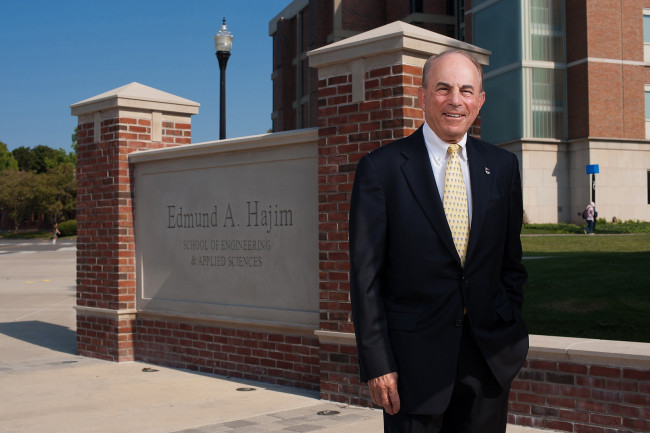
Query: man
(438, 317)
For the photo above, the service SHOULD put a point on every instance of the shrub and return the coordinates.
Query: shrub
(601, 227)
(559, 228)
(68, 228)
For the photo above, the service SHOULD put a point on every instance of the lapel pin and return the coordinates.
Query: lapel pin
(487, 170)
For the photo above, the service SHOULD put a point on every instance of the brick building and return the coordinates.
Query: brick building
(566, 87)
(305, 25)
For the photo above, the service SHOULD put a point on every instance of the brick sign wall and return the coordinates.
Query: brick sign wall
(581, 397)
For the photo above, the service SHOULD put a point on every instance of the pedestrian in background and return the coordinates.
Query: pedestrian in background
(55, 232)
(589, 214)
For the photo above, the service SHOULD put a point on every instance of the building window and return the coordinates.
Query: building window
(544, 74)
(461, 20)
(646, 35)
(647, 111)
(547, 103)
(417, 6)
(547, 30)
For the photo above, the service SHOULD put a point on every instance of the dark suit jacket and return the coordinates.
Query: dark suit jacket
(408, 289)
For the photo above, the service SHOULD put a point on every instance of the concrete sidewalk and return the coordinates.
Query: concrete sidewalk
(45, 387)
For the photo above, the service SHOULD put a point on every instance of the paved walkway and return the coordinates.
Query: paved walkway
(46, 387)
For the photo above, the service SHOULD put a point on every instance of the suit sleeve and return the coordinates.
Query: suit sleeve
(513, 273)
(368, 243)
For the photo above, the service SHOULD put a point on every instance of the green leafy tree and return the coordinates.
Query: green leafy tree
(7, 160)
(56, 192)
(74, 140)
(17, 194)
(44, 184)
(41, 158)
(72, 156)
(47, 158)
(24, 157)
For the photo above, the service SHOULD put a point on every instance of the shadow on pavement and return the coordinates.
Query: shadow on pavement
(48, 335)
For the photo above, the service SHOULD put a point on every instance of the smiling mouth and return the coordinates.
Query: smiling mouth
(454, 116)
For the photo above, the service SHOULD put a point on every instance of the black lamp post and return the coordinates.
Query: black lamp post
(223, 45)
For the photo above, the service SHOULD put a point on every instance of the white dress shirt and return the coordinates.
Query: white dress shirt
(438, 156)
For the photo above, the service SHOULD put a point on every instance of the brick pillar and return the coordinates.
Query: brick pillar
(367, 97)
(112, 125)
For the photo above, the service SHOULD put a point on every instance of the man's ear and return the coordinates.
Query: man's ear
(481, 100)
(422, 94)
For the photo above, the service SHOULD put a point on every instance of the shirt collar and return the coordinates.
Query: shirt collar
(437, 148)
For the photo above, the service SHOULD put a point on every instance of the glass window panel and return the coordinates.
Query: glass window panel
(501, 115)
(646, 29)
(546, 30)
(498, 29)
(647, 105)
(547, 103)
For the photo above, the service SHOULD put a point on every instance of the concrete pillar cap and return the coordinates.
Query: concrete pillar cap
(136, 96)
(397, 36)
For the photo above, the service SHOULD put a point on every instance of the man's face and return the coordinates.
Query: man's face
(453, 97)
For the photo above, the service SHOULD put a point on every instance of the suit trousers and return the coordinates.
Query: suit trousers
(478, 403)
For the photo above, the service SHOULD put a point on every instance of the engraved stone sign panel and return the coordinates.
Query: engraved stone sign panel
(229, 233)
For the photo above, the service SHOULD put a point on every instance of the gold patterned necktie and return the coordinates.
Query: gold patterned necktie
(454, 202)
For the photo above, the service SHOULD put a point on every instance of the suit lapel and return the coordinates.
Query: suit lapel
(480, 178)
(419, 176)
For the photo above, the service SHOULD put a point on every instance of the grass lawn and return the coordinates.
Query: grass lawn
(588, 286)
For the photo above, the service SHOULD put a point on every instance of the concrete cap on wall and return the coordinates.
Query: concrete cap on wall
(590, 351)
(394, 37)
(138, 97)
(287, 13)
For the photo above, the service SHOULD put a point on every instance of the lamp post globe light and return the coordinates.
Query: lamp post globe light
(223, 45)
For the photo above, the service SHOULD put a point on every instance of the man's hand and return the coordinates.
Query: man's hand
(383, 391)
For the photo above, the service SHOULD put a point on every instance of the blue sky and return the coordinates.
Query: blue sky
(56, 53)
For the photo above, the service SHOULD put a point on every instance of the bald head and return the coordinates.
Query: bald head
(435, 58)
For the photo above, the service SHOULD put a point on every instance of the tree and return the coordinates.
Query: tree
(7, 160)
(44, 186)
(74, 140)
(24, 157)
(57, 192)
(46, 158)
(41, 158)
(17, 194)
